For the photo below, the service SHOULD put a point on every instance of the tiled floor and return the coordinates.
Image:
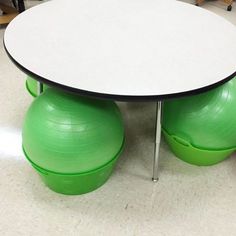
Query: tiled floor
(187, 201)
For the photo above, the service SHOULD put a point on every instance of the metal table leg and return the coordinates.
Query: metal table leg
(157, 141)
(14, 3)
(39, 87)
(21, 6)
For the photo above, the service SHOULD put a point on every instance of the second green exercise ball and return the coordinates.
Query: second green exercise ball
(201, 129)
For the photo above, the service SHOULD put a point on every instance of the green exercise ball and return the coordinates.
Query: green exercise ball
(201, 129)
(68, 136)
(32, 86)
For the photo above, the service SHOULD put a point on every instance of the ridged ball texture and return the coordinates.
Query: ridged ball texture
(206, 121)
(66, 133)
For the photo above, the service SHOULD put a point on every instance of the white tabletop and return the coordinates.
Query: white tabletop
(124, 49)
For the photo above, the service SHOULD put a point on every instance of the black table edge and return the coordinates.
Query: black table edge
(114, 97)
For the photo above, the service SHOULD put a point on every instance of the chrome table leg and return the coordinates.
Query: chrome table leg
(157, 141)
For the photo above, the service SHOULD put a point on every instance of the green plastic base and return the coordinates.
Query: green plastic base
(186, 152)
(76, 184)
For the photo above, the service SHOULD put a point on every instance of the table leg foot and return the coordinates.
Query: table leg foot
(155, 180)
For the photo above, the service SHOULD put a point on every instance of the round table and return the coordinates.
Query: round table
(126, 50)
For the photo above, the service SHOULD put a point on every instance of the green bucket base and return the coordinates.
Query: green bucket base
(76, 184)
(186, 152)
